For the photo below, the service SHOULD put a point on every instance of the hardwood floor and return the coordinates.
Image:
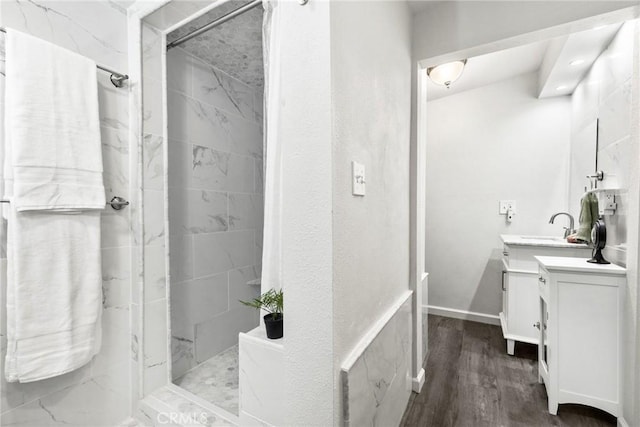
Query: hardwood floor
(471, 381)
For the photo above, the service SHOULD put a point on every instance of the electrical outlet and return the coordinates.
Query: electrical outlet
(506, 205)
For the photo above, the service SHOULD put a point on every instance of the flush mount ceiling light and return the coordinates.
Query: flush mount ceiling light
(562, 87)
(576, 62)
(445, 74)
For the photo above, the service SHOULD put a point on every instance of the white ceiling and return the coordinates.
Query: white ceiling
(549, 58)
(491, 68)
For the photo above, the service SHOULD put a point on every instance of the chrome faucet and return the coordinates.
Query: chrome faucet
(570, 229)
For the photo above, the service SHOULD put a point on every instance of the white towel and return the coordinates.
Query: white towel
(53, 166)
(54, 293)
(53, 149)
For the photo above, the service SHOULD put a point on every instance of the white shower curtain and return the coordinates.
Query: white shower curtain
(272, 250)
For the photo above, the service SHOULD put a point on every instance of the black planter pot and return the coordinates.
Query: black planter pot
(273, 326)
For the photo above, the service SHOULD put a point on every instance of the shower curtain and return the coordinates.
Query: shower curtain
(272, 250)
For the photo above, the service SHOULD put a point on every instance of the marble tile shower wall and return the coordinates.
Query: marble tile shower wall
(215, 207)
(98, 393)
(605, 94)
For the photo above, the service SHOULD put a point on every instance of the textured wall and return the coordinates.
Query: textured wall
(98, 393)
(371, 68)
(495, 142)
(215, 207)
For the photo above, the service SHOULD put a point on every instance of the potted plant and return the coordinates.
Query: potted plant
(271, 302)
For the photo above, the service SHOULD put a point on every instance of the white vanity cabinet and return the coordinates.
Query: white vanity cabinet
(520, 283)
(579, 336)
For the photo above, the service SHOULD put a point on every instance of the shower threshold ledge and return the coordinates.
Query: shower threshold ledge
(172, 405)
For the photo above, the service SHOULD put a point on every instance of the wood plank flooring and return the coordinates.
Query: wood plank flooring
(471, 381)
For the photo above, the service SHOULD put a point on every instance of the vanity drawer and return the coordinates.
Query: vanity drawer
(522, 257)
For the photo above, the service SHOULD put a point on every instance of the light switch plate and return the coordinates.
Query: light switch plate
(358, 179)
(505, 205)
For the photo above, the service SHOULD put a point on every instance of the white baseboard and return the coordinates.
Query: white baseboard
(622, 422)
(418, 382)
(489, 319)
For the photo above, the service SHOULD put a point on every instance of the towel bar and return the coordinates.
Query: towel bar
(117, 79)
(116, 203)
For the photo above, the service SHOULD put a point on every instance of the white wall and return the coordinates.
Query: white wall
(609, 92)
(360, 111)
(99, 392)
(495, 142)
(371, 60)
(304, 129)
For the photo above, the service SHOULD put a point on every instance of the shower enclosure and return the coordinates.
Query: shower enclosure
(202, 199)
(215, 198)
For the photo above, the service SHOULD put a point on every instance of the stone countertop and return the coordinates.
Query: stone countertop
(581, 265)
(548, 241)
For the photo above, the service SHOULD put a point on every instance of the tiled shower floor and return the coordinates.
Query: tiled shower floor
(215, 380)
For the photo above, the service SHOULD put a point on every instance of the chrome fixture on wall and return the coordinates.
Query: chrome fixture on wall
(117, 203)
(117, 79)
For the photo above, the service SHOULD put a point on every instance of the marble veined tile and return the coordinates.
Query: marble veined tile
(197, 211)
(153, 217)
(155, 345)
(152, 115)
(180, 164)
(113, 103)
(182, 356)
(218, 252)
(180, 258)
(222, 171)
(179, 74)
(153, 162)
(199, 300)
(155, 277)
(378, 385)
(93, 29)
(202, 124)
(615, 161)
(199, 415)
(221, 332)
(216, 88)
(615, 116)
(215, 380)
(208, 211)
(115, 159)
(239, 290)
(88, 404)
(245, 211)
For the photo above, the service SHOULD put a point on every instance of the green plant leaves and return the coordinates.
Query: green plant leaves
(271, 301)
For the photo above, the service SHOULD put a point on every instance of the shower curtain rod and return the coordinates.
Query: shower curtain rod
(210, 25)
(116, 78)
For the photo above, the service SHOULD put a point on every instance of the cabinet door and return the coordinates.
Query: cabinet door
(523, 305)
(543, 351)
(505, 294)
